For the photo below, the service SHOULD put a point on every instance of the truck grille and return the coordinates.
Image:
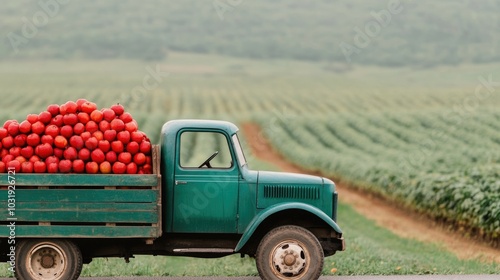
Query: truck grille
(294, 192)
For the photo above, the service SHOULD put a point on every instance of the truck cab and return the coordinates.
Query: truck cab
(210, 189)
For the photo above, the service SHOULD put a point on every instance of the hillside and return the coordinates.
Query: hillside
(389, 33)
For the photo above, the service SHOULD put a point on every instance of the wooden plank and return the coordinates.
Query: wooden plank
(87, 206)
(56, 231)
(54, 216)
(71, 195)
(86, 180)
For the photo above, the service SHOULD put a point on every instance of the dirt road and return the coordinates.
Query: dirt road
(397, 220)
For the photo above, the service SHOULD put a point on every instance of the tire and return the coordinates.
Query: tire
(48, 259)
(289, 252)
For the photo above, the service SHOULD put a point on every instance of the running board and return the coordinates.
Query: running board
(204, 250)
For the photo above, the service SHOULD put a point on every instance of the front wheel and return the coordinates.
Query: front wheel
(291, 253)
(48, 259)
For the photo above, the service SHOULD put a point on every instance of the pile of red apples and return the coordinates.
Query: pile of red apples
(75, 137)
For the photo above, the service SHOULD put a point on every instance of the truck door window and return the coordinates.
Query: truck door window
(197, 147)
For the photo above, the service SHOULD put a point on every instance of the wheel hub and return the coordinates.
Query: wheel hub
(289, 259)
(47, 261)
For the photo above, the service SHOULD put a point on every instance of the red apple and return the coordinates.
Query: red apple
(13, 128)
(76, 142)
(8, 142)
(15, 151)
(8, 158)
(133, 147)
(119, 168)
(126, 117)
(86, 136)
(34, 159)
(108, 114)
(78, 166)
(21, 159)
(83, 117)
(57, 120)
(65, 166)
(96, 116)
(70, 119)
(66, 131)
(117, 125)
(104, 125)
(140, 158)
(62, 109)
(136, 136)
(117, 146)
(118, 109)
(25, 127)
(33, 139)
(145, 147)
(123, 136)
(92, 143)
(125, 157)
(104, 145)
(98, 156)
(70, 153)
(27, 167)
(3, 153)
(84, 154)
(58, 152)
(3, 168)
(45, 117)
(147, 168)
(44, 150)
(88, 107)
(131, 126)
(47, 139)
(78, 129)
(98, 135)
(111, 156)
(52, 130)
(52, 159)
(110, 135)
(53, 168)
(20, 140)
(60, 142)
(27, 152)
(92, 167)
(131, 168)
(71, 107)
(32, 118)
(105, 167)
(14, 164)
(38, 128)
(80, 102)
(53, 109)
(91, 126)
(39, 167)
(3, 133)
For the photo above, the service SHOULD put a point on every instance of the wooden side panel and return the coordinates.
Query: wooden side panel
(71, 231)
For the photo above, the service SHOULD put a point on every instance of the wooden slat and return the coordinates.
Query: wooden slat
(55, 216)
(94, 196)
(56, 231)
(85, 180)
(83, 206)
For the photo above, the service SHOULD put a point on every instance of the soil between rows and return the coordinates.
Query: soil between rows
(401, 222)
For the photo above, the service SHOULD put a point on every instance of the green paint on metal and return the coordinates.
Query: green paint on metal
(86, 180)
(82, 231)
(262, 216)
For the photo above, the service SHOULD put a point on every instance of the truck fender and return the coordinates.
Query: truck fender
(262, 216)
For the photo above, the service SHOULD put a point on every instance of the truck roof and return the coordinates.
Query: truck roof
(176, 125)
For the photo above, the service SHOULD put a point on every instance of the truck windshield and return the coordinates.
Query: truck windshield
(239, 152)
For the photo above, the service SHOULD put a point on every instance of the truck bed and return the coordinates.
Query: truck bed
(83, 205)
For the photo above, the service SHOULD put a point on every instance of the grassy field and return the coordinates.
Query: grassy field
(294, 102)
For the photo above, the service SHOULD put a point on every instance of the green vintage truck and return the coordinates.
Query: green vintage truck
(197, 203)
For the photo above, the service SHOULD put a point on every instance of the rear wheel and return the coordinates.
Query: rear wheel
(48, 259)
(291, 253)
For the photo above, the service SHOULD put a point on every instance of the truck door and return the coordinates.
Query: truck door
(206, 183)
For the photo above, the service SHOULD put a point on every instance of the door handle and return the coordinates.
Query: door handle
(180, 182)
